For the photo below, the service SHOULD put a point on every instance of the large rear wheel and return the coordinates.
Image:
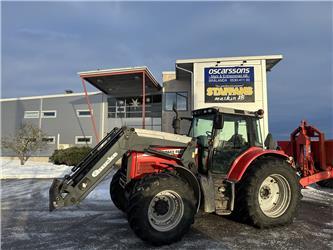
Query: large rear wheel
(269, 195)
(161, 208)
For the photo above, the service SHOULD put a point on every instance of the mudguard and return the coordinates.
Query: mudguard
(192, 179)
(243, 161)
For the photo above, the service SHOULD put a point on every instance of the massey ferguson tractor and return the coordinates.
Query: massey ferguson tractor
(222, 166)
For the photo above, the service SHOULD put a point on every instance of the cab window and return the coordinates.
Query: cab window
(201, 125)
(234, 133)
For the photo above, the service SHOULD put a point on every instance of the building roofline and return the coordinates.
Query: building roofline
(91, 73)
(113, 70)
(198, 60)
(46, 96)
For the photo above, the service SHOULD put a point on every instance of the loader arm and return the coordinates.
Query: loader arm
(73, 188)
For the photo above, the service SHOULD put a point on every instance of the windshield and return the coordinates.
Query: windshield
(201, 125)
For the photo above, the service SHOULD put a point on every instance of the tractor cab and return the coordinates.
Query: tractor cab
(222, 135)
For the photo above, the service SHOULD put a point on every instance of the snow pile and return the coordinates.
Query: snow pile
(11, 169)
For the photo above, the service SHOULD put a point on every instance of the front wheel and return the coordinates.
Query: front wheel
(270, 193)
(161, 208)
(117, 192)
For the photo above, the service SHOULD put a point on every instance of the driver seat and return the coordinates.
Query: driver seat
(237, 140)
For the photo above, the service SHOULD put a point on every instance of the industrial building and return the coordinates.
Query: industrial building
(133, 97)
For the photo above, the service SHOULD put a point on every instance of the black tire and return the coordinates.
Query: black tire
(140, 206)
(326, 183)
(252, 189)
(117, 192)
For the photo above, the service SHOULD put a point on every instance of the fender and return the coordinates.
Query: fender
(240, 165)
(192, 180)
(140, 164)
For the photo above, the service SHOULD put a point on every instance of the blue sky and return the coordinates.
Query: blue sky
(45, 44)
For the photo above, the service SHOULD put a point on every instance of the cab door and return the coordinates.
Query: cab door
(229, 143)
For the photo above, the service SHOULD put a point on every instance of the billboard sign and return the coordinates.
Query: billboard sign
(229, 84)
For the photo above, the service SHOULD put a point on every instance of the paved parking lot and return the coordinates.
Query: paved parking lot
(97, 224)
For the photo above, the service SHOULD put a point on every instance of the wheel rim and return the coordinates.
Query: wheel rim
(165, 210)
(274, 195)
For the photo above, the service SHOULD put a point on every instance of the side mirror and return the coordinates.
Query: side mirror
(269, 142)
(174, 109)
(218, 121)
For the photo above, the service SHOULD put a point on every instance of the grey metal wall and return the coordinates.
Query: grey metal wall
(170, 84)
(12, 113)
(67, 124)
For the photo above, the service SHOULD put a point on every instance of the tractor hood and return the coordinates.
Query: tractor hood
(163, 135)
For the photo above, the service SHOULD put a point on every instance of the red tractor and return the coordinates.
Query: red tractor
(221, 166)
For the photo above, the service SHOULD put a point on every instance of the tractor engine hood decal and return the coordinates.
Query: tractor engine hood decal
(170, 151)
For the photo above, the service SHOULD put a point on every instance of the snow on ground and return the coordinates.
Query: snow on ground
(27, 224)
(11, 169)
(319, 194)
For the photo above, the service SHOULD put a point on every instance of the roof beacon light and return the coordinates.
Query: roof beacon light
(260, 113)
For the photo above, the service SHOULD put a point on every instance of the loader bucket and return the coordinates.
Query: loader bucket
(74, 187)
(54, 195)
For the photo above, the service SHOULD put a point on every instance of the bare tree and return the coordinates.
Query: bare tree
(27, 140)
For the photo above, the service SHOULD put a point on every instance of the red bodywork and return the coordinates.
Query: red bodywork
(313, 155)
(307, 146)
(243, 161)
(142, 164)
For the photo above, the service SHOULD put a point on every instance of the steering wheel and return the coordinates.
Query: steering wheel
(209, 133)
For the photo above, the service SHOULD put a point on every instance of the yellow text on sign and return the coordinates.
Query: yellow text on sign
(220, 91)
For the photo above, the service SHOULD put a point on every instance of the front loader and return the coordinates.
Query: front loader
(222, 166)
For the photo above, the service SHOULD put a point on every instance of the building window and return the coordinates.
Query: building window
(131, 106)
(83, 139)
(49, 114)
(178, 98)
(83, 113)
(49, 139)
(31, 114)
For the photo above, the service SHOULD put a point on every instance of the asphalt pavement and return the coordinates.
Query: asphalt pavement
(26, 223)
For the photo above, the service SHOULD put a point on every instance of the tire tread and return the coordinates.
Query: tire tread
(246, 210)
(146, 186)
